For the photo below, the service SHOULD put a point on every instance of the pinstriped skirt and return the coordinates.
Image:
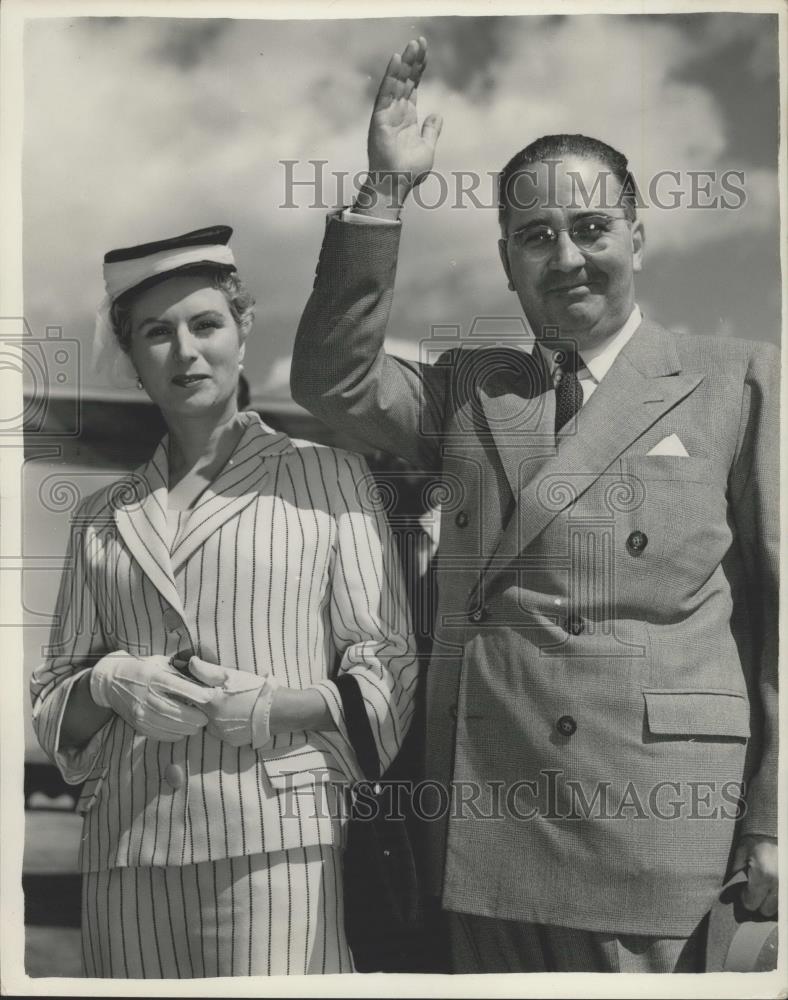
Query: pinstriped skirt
(279, 913)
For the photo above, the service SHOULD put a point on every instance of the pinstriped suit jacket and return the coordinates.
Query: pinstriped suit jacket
(596, 704)
(284, 563)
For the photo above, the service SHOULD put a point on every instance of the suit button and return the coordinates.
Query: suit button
(636, 542)
(576, 626)
(173, 775)
(566, 725)
(479, 615)
(461, 520)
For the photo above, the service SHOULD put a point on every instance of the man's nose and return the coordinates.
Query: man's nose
(566, 256)
(185, 344)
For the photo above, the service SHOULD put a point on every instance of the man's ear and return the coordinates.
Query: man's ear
(638, 245)
(504, 254)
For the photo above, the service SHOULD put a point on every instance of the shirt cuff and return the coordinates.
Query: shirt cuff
(348, 215)
(261, 713)
(347, 756)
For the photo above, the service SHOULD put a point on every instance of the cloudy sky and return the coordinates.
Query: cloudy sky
(139, 128)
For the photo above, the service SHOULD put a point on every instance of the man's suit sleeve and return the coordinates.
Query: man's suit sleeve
(754, 495)
(341, 371)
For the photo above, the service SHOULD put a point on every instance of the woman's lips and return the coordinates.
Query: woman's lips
(186, 381)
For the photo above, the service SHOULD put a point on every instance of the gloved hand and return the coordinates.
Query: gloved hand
(240, 708)
(149, 694)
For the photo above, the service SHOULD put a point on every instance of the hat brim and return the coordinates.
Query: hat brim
(195, 267)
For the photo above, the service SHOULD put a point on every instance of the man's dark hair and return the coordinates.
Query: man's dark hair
(556, 147)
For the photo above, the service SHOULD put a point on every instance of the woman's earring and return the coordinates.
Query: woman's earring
(240, 366)
(139, 383)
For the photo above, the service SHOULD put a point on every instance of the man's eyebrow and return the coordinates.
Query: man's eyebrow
(540, 220)
(582, 213)
(585, 212)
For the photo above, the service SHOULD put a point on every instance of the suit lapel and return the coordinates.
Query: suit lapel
(643, 384)
(142, 522)
(236, 486)
(520, 415)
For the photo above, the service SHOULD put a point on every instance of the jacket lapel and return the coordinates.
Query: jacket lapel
(236, 486)
(643, 384)
(142, 522)
(520, 415)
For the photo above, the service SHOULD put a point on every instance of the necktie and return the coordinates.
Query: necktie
(568, 391)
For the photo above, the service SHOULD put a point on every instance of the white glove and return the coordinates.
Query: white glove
(239, 712)
(149, 694)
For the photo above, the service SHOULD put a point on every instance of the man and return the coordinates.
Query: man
(602, 688)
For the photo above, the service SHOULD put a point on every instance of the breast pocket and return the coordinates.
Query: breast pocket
(676, 520)
(668, 468)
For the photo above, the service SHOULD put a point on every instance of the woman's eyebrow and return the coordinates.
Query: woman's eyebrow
(213, 313)
(151, 319)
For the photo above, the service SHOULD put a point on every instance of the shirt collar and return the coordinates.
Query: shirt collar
(598, 359)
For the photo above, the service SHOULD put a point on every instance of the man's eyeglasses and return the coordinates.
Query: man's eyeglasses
(588, 235)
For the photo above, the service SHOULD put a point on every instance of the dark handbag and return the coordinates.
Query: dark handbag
(383, 912)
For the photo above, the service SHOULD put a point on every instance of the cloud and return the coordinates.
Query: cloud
(138, 128)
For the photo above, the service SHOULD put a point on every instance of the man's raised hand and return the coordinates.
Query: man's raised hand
(400, 152)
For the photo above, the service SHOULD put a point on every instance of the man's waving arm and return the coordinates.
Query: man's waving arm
(341, 371)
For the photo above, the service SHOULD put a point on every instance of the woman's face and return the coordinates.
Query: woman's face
(186, 346)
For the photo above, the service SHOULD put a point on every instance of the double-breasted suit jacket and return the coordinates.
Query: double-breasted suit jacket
(601, 696)
(284, 565)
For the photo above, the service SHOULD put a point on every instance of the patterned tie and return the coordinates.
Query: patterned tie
(568, 391)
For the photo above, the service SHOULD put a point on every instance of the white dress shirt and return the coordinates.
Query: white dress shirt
(597, 360)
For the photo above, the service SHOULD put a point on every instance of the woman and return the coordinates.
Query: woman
(188, 683)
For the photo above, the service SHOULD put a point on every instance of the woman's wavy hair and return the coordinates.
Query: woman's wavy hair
(239, 299)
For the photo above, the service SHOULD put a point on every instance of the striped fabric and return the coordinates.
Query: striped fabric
(285, 564)
(260, 915)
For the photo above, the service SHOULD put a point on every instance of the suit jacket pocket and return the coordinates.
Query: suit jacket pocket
(686, 713)
(299, 765)
(668, 467)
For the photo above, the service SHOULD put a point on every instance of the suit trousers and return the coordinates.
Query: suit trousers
(486, 944)
(264, 914)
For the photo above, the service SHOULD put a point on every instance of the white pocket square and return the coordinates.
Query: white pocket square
(671, 445)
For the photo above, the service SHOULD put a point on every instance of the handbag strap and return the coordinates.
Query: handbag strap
(358, 727)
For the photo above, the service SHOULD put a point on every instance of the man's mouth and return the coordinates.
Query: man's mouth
(184, 381)
(575, 286)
